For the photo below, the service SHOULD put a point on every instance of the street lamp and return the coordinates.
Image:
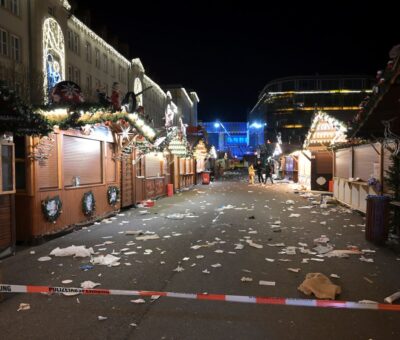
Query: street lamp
(216, 125)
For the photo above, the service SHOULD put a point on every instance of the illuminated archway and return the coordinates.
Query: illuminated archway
(53, 56)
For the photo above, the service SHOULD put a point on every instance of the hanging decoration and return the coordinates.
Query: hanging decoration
(88, 203)
(66, 93)
(113, 195)
(213, 152)
(42, 150)
(51, 208)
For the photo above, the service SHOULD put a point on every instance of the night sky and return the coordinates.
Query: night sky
(227, 52)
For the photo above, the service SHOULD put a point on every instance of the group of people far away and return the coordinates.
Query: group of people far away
(261, 170)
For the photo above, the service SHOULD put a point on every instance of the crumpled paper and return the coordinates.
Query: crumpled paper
(319, 285)
(76, 251)
(108, 260)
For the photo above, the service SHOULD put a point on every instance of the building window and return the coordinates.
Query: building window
(105, 63)
(76, 44)
(73, 41)
(77, 78)
(52, 11)
(15, 48)
(70, 73)
(97, 56)
(15, 7)
(112, 68)
(120, 73)
(3, 42)
(88, 53)
(89, 84)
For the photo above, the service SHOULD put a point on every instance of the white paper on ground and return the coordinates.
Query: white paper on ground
(294, 215)
(44, 258)
(66, 282)
(138, 301)
(101, 318)
(108, 260)
(246, 279)
(89, 284)
(392, 298)
(147, 237)
(255, 245)
(76, 251)
(266, 283)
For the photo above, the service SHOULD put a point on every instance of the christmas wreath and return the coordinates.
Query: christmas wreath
(112, 195)
(51, 208)
(88, 203)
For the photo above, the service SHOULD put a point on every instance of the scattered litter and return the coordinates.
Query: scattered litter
(65, 282)
(186, 259)
(319, 285)
(342, 253)
(89, 284)
(320, 249)
(276, 244)
(289, 202)
(134, 232)
(44, 258)
(205, 271)
(255, 245)
(335, 276)
(367, 301)
(239, 246)
(76, 251)
(108, 260)
(138, 301)
(179, 269)
(323, 239)
(266, 283)
(251, 218)
(32, 252)
(246, 279)
(392, 298)
(294, 270)
(86, 267)
(269, 260)
(218, 251)
(294, 215)
(364, 259)
(217, 265)
(101, 318)
(24, 306)
(199, 256)
(147, 251)
(368, 280)
(130, 253)
(133, 324)
(147, 237)
(154, 297)
(317, 259)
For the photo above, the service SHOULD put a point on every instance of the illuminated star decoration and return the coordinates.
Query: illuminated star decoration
(125, 133)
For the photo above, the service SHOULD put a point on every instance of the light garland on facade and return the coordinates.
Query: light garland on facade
(325, 108)
(340, 91)
(65, 4)
(177, 147)
(325, 129)
(79, 24)
(154, 85)
(53, 45)
(187, 96)
(194, 94)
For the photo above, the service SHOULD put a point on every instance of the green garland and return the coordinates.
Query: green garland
(112, 195)
(51, 208)
(88, 203)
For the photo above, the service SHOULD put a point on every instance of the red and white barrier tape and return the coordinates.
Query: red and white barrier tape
(4, 288)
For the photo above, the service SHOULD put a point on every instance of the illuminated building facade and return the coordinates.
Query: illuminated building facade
(288, 104)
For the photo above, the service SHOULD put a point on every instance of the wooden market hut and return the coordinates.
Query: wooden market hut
(374, 136)
(200, 154)
(182, 164)
(7, 195)
(315, 161)
(67, 178)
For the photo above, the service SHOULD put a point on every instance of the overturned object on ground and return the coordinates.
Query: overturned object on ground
(76, 251)
(319, 285)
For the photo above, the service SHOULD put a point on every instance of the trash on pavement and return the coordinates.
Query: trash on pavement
(246, 279)
(319, 285)
(76, 251)
(101, 318)
(289, 202)
(179, 269)
(108, 260)
(392, 298)
(294, 215)
(138, 301)
(24, 306)
(64, 282)
(44, 258)
(147, 237)
(294, 270)
(365, 259)
(255, 245)
(86, 267)
(266, 283)
(89, 284)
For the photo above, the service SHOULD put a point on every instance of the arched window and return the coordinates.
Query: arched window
(53, 55)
